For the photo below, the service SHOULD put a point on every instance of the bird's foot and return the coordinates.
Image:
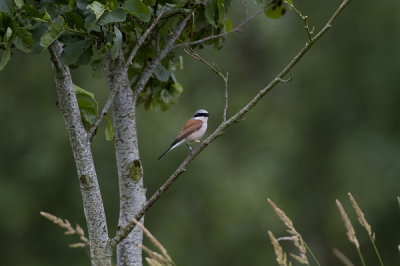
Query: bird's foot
(198, 141)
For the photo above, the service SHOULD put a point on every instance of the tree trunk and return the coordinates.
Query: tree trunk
(132, 193)
(92, 201)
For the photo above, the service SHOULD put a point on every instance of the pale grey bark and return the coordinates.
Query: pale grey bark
(132, 193)
(92, 201)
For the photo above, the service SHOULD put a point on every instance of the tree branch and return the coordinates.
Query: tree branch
(131, 192)
(113, 91)
(157, 59)
(92, 201)
(220, 130)
(305, 19)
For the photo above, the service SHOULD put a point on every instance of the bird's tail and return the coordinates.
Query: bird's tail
(164, 153)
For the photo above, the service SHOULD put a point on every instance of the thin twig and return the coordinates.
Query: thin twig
(238, 28)
(114, 90)
(134, 27)
(305, 19)
(286, 80)
(244, 5)
(226, 97)
(123, 233)
(189, 50)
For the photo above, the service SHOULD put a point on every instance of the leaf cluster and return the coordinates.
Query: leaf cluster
(89, 30)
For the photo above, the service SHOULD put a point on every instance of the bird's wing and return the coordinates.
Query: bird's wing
(191, 126)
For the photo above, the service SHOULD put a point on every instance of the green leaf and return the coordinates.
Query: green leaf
(5, 58)
(117, 15)
(75, 21)
(8, 39)
(89, 115)
(19, 3)
(31, 11)
(117, 43)
(209, 12)
(138, 9)
(79, 91)
(109, 132)
(178, 87)
(25, 36)
(221, 11)
(98, 67)
(97, 8)
(46, 16)
(275, 10)
(7, 6)
(84, 104)
(53, 32)
(73, 50)
(85, 57)
(20, 45)
(228, 25)
(7, 36)
(71, 3)
(37, 31)
(161, 73)
(112, 4)
(90, 21)
(180, 3)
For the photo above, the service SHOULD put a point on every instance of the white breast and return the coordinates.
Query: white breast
(198, 134)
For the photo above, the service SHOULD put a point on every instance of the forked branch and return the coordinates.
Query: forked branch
(128, 63)
(220, 130)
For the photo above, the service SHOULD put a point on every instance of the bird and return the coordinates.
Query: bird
(192, 131)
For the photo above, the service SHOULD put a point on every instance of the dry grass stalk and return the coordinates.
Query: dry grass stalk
(70, 230)
(156, 258)
(152, 262)
(280, 255)
(298, 242)
(342, 257)
(296, 237)
(350, 230)
(361, 217)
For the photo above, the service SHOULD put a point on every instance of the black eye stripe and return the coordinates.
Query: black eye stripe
(201, 114)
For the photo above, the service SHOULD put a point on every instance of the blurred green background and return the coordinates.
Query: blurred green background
(334, 129)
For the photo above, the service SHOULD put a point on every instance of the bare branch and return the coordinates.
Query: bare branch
(305, 18)
(113, 91)
(226, 97)
(220, 131)
(189, 50)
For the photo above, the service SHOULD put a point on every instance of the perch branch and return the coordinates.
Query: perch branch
(114, 90)
(219, 131)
